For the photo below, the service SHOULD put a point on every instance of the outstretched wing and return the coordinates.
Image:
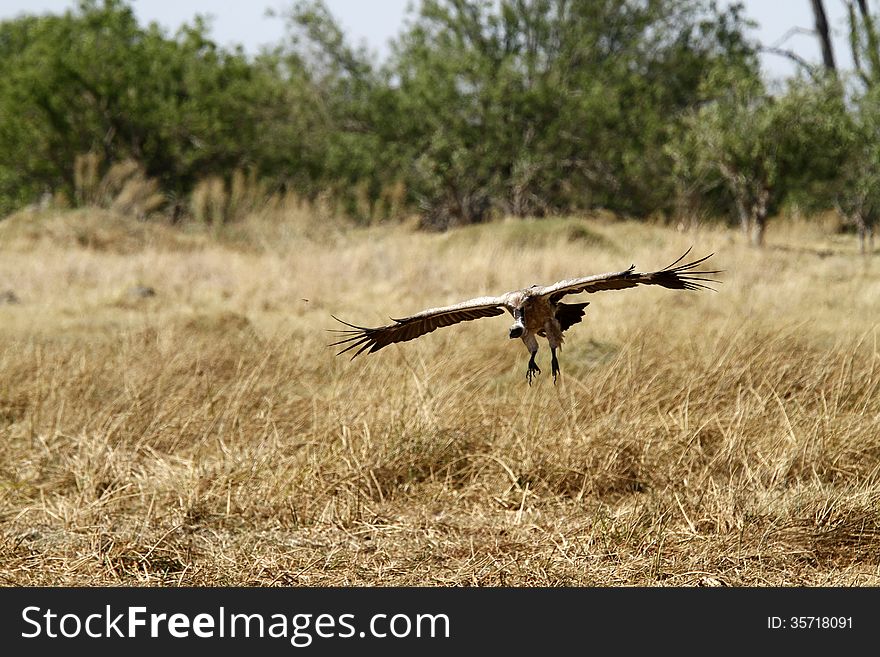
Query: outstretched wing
(675, 277)
(414, 326)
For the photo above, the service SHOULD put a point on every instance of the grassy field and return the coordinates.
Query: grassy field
(206, 434)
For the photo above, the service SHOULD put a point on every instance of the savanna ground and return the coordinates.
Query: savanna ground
(206, 435)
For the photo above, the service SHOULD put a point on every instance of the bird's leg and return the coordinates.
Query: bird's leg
(532, 345)
(554, 364)
(533, 370)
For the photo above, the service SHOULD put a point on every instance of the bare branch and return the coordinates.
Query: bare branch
(797, 59)
(792, 32)
(873, 39)
(855, 45)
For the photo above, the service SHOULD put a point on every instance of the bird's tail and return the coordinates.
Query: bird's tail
(569, 314)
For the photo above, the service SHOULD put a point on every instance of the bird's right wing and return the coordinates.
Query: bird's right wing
(414, 326)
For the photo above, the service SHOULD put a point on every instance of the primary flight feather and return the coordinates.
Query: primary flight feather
(536, 310)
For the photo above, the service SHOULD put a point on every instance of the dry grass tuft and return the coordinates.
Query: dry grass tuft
(205, 434)
(124, 188)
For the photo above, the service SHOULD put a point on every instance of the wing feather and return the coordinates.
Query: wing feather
(408, 328)
(674, 276)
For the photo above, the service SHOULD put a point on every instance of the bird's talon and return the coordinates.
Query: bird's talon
(532, 372)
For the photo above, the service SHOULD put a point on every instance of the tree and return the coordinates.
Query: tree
(353, 107)
(548, 106)
(765, 149)
(858, 189)
(521, 107)
(94, 80)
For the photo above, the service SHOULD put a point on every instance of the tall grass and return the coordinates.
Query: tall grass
(123, 188)
(208, 436)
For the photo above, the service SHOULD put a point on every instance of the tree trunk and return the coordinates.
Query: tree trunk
(824, 36)
(759, 217)
(745, 221)
(758, 231)
(866, 239)
(861, 229)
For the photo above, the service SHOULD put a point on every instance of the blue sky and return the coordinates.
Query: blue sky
(376, 21)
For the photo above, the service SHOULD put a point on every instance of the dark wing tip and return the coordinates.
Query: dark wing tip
(686, 276)
(682, 257)
(356, 336)
(354, 326)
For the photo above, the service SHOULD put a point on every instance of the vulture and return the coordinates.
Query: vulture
(537, 310)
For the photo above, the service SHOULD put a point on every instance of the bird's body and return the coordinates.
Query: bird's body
(536, 310)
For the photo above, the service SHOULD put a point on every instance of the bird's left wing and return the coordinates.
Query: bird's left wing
(675, 277)
(414, 326)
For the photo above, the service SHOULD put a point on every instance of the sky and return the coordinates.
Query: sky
(374, 22)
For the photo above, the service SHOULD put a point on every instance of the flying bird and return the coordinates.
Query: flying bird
(537, 310)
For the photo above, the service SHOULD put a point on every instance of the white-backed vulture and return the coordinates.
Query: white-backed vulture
(537, 310)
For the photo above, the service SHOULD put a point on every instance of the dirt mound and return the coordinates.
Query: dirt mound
(95, 229)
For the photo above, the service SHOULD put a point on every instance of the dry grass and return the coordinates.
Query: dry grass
(207, 436)
(124, 188)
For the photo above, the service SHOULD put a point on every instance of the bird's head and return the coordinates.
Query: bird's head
(519, 326)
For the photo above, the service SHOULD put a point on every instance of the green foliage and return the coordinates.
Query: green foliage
(546, 106)
(93, 80)
(515, 107)
(856, 191)
(859, 184)
(763, 149)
